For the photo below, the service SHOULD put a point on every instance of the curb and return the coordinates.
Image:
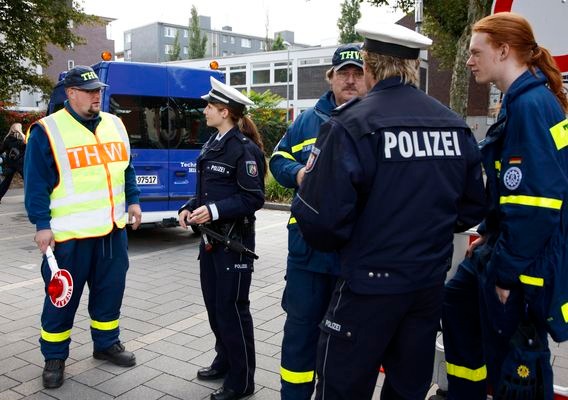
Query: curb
(276, 206)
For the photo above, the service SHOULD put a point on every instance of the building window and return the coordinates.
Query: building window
(232, 39)
(169, 31)
(280, 75)
(185, 51)
(245, 43)
(128, 55)
(128, 37)
(70, 64)
(185, 33)
(237, 75)
(260, 74)
(262, 45)
(169, 49)
(224, 38)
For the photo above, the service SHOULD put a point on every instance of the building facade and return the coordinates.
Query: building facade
(297, 75)
(155, 42)
(97, 39)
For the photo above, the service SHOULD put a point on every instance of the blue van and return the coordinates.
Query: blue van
(162, 109)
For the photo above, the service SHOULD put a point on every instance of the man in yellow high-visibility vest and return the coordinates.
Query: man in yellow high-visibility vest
(80, 192)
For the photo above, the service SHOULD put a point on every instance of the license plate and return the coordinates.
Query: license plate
(147, 179)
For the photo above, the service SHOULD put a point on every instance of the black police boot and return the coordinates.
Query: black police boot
(117, 355)
(210, 374)
(224, 393)
(52, 376)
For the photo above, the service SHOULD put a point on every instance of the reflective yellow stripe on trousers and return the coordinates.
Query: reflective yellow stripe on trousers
(104, 326)
(55, 337)
(474, 375)
(296, 377)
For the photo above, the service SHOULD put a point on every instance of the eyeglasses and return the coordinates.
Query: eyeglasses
(89, 91)
(345, 74)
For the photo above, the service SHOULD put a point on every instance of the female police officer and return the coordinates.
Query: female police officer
(230, 188)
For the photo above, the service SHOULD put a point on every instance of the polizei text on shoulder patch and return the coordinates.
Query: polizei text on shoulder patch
(414, 145)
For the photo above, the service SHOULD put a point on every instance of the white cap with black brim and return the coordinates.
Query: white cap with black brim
(393, 40)
(222, 93)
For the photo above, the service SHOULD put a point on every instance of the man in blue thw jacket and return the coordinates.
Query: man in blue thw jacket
(310, 274)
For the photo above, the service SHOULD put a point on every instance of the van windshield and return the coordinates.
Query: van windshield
(162, 122)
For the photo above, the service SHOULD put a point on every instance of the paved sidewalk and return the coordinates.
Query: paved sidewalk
(163, 318)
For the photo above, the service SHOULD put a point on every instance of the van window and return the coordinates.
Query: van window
(162, 122)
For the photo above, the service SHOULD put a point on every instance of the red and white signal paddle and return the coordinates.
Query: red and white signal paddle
(60, 287)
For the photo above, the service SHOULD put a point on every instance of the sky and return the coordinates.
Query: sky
(314, 22)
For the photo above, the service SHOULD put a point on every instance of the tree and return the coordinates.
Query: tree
(174, 55)
(26, 27)
(270, 120)
(278, 44)
(449, 21)
(350, 14)
(197, 43)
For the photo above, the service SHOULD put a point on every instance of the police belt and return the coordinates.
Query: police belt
(227, 239)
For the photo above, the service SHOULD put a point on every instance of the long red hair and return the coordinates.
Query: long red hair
(514, 30)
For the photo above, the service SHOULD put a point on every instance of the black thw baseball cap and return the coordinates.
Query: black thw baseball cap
(82, 77)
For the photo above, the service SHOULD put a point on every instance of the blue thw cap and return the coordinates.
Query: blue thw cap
(345, 55)
(83, 77)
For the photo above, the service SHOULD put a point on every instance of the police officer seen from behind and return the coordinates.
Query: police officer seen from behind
(390, 179)
(79, 182)
(513, 285)
(230, 188)
(310, 274)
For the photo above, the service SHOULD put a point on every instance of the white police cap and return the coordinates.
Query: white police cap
(392, 40)
(224, 94)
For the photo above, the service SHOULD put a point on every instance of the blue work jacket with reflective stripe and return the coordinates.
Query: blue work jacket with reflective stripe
(525, 155)
(289, 156)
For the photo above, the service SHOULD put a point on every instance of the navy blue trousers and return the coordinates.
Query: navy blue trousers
(225, 283)
(101, 263)
(363, 332)
(305, 300)
(477, 330)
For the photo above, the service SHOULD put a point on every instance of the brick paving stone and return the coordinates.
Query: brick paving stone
(9, 395)
(179, 388)
(141, 393)
(129, 380)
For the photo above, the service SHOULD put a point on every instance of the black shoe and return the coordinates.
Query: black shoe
(224, 393)
(53, 374)
(117, 355)
(210, 374)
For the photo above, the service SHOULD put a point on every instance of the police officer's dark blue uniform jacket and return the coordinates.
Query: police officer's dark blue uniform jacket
(289, 156)
(526, 162)
(229, 169)
(374, 213)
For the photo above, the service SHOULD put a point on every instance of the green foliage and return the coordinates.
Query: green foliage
(197, 43)
(350, 14)
(275, 192)
(270, 121)
(278, 44)
(26, 27)
(174, 55)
